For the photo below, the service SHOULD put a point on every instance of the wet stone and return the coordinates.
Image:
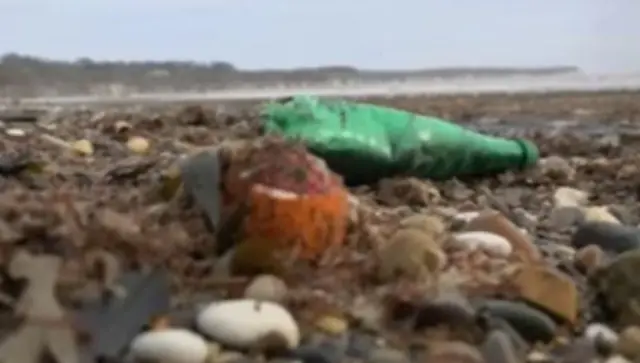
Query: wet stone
(608, 236)
(518, 342)
(450, 309)
(533, 325)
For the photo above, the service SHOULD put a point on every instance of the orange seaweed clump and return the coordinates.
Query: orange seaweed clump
(289, 197)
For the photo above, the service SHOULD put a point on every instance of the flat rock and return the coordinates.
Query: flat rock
(549, 289)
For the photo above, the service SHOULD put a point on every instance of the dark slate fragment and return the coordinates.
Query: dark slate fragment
(113, 323)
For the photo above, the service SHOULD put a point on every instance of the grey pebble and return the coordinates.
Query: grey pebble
(498, 348)
(581, 350)
(519, 343)
(608, 236)
(565, 217)
(387, 355)
(449, 308)
(360, 345)
(328, 350)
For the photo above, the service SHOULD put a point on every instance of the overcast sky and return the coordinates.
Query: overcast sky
(598, 35)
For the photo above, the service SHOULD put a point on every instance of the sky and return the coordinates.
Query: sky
(597, 35)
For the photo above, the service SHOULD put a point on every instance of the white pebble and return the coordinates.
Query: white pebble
(466, 217)
(602, 332)
(168, 346)
(486, 241)
(617, 359)
(15, 132)
(570, 197)
(242, 323)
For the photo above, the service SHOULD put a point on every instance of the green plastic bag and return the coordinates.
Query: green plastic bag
(365, 143)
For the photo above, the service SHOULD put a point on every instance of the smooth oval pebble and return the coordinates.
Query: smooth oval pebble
(266, 288)
(570, 197)
(169, 346)
(244, 322)
(628, 344)
(609, 236)
(581, 350)
(15, 132)
(589, 258)
(486, 241)
(466, 217)
(599, 214)
(83, 147)
(617, 359)
(497, 223)
(600, 331)
(604, 338)
(138, 145)
(566, 216)
(449, 308)
(387, 355)
(454, 352)
(332, 325)
(533, 325)
(331, 350)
